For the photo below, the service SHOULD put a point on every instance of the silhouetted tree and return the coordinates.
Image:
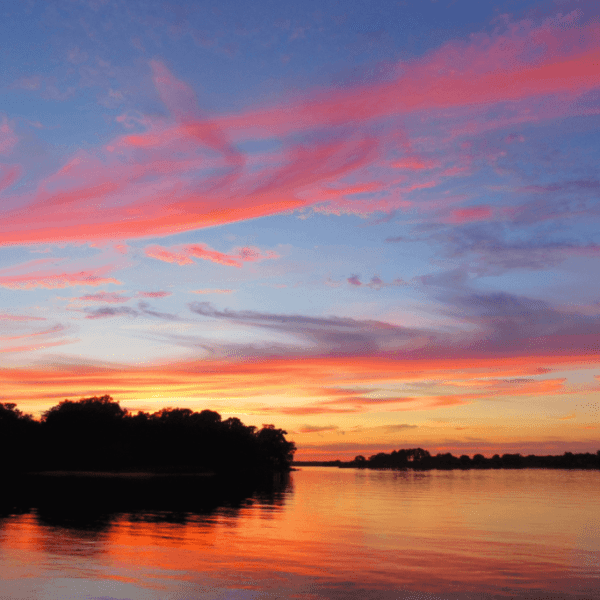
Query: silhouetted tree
(479, 461)
(274, 449)
(465, 461)
(17, 434)
(84, 435)
(512, 461)
(98, 434)
(360, 461)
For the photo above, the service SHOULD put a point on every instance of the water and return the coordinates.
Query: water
(321, 533)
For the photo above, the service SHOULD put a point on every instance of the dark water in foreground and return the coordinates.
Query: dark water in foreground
(319, 534)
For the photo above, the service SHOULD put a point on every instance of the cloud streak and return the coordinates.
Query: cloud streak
(56, 279)
(187, 171)
(143, 309)
(182, 255)
(331, 334)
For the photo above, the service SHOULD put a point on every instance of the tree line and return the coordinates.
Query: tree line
(417, 458)
(97, 434)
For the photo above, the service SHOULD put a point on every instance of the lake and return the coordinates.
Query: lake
(318, 533)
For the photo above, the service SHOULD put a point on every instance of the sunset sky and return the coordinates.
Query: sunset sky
(373, 224)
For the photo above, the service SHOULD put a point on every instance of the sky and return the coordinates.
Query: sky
(375, 225)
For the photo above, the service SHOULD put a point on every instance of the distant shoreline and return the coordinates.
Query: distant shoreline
(328, 464)
(418, 459)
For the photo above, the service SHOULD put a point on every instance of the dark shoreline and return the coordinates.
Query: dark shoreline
(417, 459)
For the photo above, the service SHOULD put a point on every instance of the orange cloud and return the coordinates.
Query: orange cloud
(568, 417)
(301, 385)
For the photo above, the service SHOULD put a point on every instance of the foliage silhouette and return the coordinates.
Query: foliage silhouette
(419, 459)
(56, 500)
(97, 434)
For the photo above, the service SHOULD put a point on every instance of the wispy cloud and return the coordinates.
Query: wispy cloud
(182, 255)
(186, 171)
(331, 334)
(376, 283)
(8, 137)
(293, 387)
(26, 337)
(107, 312)
(108, 297)
(316, 428)
(13, 317)
(143, 309)
(53, 279)
(492, 249)
(159, 294)
(9, 175)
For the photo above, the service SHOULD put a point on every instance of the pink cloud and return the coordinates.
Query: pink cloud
(167, 256)
(412, 163)
(56, 330)
(524, 61)
(201, 179)
(51, 331)
(8, 137)
(215, 291)
(354, 280)
(9, 175)
(10, 317)
(52, 278)
(470, 214)
(93, 198)
(205, 253)
(253, 254)
(182, 255)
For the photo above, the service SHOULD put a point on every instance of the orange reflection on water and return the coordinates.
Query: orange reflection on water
(502, 533)
(383, 530)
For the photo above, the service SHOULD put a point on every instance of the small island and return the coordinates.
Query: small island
(98, 435)
(422, 460)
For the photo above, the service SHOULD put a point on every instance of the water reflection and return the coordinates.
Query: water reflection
(319, 534)
(90, 504)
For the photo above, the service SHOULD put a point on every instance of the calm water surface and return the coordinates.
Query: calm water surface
(323, 533)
